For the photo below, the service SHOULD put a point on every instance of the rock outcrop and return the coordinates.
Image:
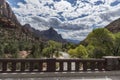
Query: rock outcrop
(49, 34)
(10, 28)
(6, 11)
(114, 26)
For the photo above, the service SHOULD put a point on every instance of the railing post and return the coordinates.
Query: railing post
(4, 66)
(61, 66)
(69, 64)
(31, 66)
(77, 66)
(40, 66)
(85, 66)
(100, 66)
(22, 67)
(13, 66)
(51, 65)
(112, 62)
(92, 65)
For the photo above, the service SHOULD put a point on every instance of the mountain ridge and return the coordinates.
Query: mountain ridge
(49, 34)
(114, 26)
(8, 15)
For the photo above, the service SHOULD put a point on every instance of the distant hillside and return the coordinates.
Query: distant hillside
(49, 34)
(114, 26)
(9, 30)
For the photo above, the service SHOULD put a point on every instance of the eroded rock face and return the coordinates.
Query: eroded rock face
(49, 34)
(114, 26)
(10, 27)
(2, 1)
(6, 11)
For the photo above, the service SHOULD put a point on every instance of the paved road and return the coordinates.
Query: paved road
(83, 78)
(57, 79)
(103, 75)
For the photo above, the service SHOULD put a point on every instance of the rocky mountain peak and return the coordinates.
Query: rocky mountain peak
(29, 28)
(51, 34)
(6, 11)
(51, 31)
(2, 2)
(27, 25)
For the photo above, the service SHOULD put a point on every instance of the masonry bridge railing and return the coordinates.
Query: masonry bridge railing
(58, 65)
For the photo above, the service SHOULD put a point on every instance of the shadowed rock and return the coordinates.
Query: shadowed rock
(114, 26)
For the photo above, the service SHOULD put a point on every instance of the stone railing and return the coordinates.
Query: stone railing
(59, 65)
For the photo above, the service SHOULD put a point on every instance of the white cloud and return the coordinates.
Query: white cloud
(63, 6)
(79, 27)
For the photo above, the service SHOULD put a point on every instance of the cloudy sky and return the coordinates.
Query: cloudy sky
(74, 19)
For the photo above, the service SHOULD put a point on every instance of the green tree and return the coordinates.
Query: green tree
(1, 50)
(72, 53)
(24, 45)
(100, 36)
(11, 48)
(36, 51)
(102, 40)
(98, 53)
(52, 49)
(47, 52)
(79, 52)
(90, 49)
(116, 45)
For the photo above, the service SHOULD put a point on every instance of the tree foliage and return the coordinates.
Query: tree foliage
(100, 42)
(52, 49)
(79, 52)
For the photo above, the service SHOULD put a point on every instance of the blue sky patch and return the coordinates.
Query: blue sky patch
(56, 0)
(73, 2)
(99, 2)
(115, 3)
(14, 3)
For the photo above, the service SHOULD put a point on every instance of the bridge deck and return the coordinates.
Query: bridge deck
(110, 74)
